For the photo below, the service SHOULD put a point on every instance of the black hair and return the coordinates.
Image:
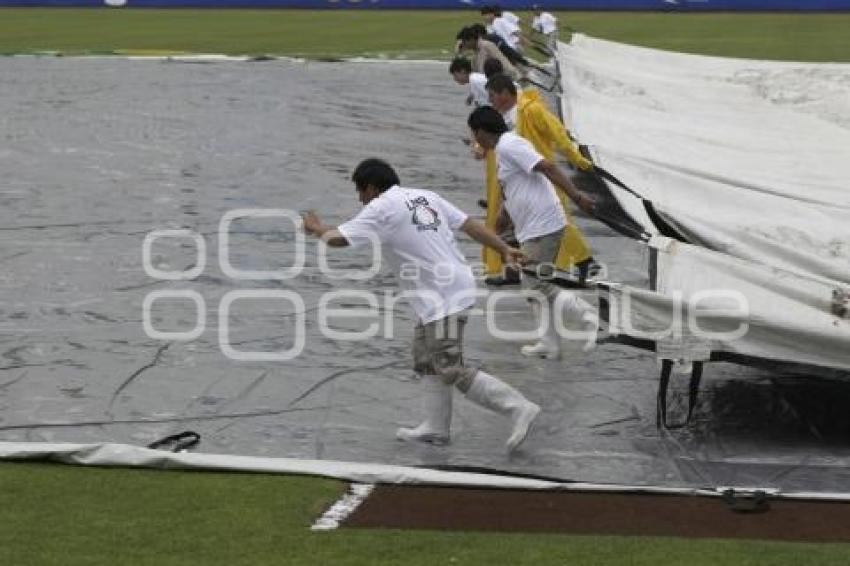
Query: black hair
(460, 64)
(486, 118)
(466, 34)
(487, 10)
(479, 30)
(492, 66)
(501, 83)
(375, 172)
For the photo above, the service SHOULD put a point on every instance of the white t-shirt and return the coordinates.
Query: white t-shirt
(510, 117)
(414, 228)
(511, 17)
(478, 89)
(530, 198)
(507, 31)
(545, 23)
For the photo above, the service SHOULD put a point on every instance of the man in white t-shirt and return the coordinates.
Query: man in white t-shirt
(461, 71)
(511, 17)
(530, 201)
(415, 231)
(505, 28)
(544, 22)
(546, 25)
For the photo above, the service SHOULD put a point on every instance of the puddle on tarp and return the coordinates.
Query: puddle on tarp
(97, 153)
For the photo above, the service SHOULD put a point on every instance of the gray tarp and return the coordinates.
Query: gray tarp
(98, 153)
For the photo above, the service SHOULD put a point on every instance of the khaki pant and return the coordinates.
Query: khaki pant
(543, 250)
(438, 350)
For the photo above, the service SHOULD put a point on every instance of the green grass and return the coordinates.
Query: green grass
(63, 515)
(319, 34)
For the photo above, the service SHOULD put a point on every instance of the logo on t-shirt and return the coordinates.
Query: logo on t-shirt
(424, 216)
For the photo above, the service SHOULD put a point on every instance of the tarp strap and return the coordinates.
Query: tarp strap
(663, 226)
(609, 177)
(177, 442)
(663, 388)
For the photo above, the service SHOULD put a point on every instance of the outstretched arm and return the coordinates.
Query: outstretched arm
(328, 234)
(558, 178)
(483, 235)
(555, 131)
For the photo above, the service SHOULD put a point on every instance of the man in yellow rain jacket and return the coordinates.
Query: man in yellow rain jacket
(528, 116)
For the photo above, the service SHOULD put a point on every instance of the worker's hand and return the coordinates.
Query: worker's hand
(478, 152)
(311, 221)
(514, 256)
(586, 203)
(469, 100)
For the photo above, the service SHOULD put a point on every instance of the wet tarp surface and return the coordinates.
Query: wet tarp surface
(98, 153)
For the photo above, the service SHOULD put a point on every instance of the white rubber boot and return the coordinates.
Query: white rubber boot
(549, 345)
(500, 397)
(437, 402)
(572, 307)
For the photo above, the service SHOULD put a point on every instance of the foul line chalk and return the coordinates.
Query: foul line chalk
(345, 506)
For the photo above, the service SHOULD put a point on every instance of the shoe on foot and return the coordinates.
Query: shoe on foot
(549, 346)
(437, 402)
(542, 349)
(498, 396)
(523, 421)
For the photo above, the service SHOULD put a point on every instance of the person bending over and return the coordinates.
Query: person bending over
(415, 230)
(527, 179)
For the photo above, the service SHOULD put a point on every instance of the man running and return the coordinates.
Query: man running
(526, 114)
(461, 71)
(415, 230)
(481, 49)
(527, 179)
(546, 25)
(503, 27)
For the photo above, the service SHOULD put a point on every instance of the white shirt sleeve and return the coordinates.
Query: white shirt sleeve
(368, 226)
(522, 154)
(454, 216)
(505, 30)
(548, 23)
(478, 89)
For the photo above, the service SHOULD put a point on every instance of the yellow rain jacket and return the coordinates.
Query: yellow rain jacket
(547, 134)
(493, 194)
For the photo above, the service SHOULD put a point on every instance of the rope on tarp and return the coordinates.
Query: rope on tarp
(179, 442)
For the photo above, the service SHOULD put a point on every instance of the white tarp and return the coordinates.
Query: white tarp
(110, 455)
(706, 301)
(747, 159)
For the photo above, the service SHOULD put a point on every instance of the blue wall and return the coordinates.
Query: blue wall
(659, 5)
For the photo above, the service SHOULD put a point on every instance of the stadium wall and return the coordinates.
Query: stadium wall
(598, 5)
